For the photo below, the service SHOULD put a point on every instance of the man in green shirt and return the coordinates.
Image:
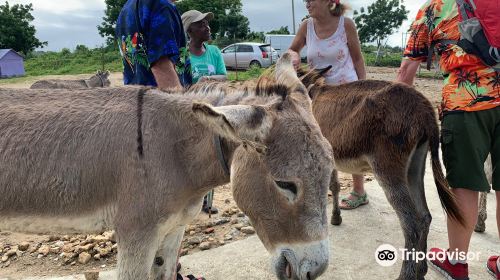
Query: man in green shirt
(206, 60)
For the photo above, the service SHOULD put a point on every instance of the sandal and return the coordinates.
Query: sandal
(493, 268)
(190, 277)
(353, 204)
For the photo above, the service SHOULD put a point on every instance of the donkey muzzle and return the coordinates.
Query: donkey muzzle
(302, 261)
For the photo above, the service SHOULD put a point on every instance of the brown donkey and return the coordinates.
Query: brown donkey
(139, 160)
(386, 129)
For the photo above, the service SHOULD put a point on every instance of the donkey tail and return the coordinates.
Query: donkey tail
(447, 198)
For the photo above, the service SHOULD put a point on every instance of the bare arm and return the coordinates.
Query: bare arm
(355, 48)
(165, 74)
(220, 78)
(298, 43)
(408, 71)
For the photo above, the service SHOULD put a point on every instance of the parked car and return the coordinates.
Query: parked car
(246, 55)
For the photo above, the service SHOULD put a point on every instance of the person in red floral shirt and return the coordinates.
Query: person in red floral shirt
(470, 122)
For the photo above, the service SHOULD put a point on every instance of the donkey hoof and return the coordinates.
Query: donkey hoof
(480, 228)
(336, 220)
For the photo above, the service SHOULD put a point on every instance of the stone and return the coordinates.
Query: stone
(97, 257)
(59, 244)
(103, 251)
(205, 246)
(239, 226)
(23, 246)
(209, 230)
(241, 214)
(4, 258)
(228, 237)
(10, 253)
(248, 230)
(111, 235)
(227, 201)
(44, 250)
(84, 258)
(68, 248)
(194, 241)
(221, 221)
(93, 275)
(183, 252)
(53, 238)
(55, 250)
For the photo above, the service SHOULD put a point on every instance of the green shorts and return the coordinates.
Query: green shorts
(466, 140)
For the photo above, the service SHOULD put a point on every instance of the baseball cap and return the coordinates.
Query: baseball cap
(194, 16)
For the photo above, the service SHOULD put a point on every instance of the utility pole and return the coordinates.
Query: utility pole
(293, 16)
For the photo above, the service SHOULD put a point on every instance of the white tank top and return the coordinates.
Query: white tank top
(334, 51)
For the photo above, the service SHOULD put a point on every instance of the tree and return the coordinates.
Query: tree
(282, 30)
(379, 21)
(228, 21)
(16, 32)
(107, 27)
(256, 36)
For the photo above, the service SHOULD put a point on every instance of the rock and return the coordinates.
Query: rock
(211, 239)
(44, 250)
(209, 230)
(94, 275)
(7, 264)
(68, 248)
(234, 221)
(55, 250)
(59, 244)
(84, 248)
(227, 201)
(194, 241)
(4, 258)
(53, 238)
(84, 258)
(10, 253)
(221, 242)
(23, 246)
(183, 252)
(97, 257)
(111, 235)
(248, 230)
(33, 249)
(192, 232)
(239, 226)
(205, 246)
(221, 221)
(103, 251)
(228, 237)
(65, 238)
(99, 239)
(241, 214)
(114, 248)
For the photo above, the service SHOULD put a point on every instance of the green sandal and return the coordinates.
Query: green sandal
(353, 204)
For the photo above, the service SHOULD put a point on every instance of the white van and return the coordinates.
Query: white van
(281, 43)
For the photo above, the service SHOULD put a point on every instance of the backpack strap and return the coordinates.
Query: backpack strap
(433, 47)
(464, 6)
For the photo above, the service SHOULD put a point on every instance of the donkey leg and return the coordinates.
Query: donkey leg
(481, 218)
(416, 172)
(165, 264)
(391, 176)
(335, 188)
(136, 252)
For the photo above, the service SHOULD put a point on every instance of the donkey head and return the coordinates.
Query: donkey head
(100, 79)
(281, 172)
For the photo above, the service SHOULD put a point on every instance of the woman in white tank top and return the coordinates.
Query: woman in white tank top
(332, 39)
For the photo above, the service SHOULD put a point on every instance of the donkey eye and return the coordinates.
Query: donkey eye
(289, 186)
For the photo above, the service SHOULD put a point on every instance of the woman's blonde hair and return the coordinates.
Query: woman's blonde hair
(339, 9)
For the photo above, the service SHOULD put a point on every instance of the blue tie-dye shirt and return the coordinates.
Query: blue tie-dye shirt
(147, 30)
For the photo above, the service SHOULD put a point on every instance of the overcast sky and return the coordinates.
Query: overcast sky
(67, 23)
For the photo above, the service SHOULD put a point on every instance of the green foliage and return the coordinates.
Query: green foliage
(380, 20)
(228, 21)
(16, 31)
(282, 30)
(256, 37)
(107, 27)
(388, 60)
(81, 61)
(252, 73)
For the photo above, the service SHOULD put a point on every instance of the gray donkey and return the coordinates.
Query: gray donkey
(100, 79)
(481, 225)
(139, 160)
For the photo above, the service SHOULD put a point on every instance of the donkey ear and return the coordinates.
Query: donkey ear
(105, 74)
(285, 72)
(240, 123)
(323, 71)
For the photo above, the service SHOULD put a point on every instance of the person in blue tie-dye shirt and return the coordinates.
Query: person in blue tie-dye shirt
(153, 44)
